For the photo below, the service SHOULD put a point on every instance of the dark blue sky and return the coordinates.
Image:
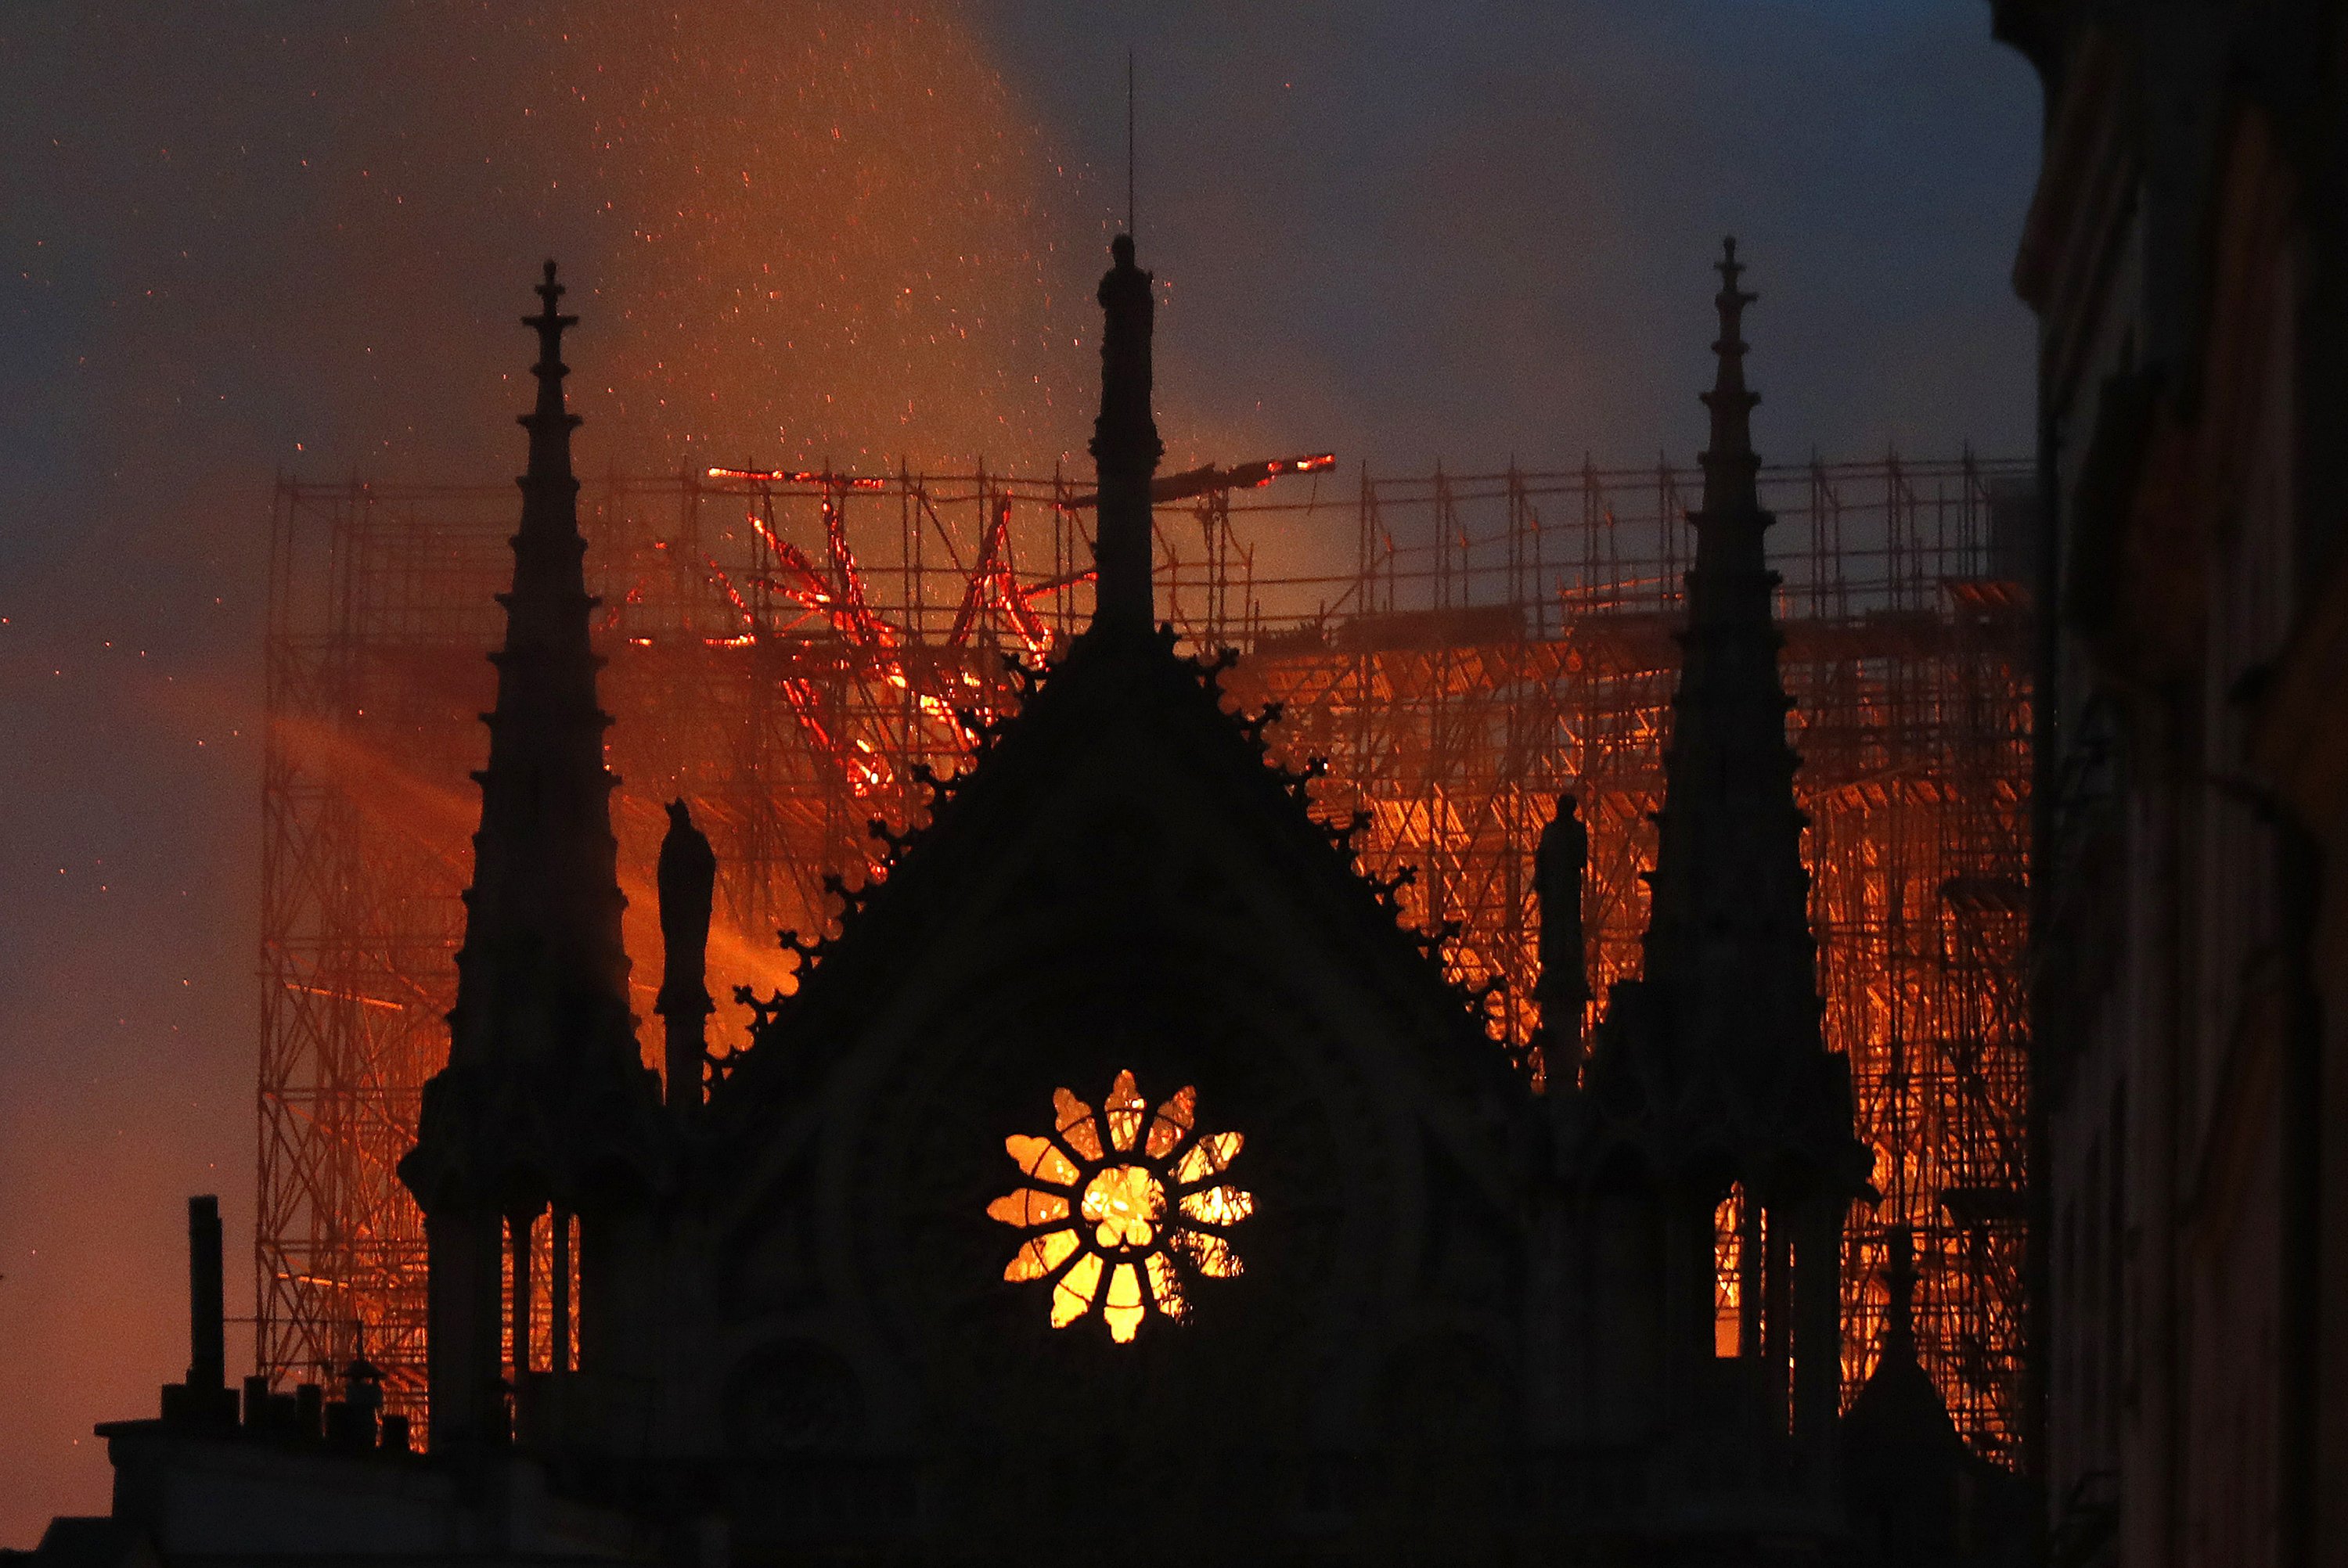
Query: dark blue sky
(1479, 229)
(245, 238)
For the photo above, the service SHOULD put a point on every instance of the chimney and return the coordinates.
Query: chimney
(205, 1400)
(207, 1335)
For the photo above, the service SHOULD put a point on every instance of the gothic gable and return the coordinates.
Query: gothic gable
(1121, 886)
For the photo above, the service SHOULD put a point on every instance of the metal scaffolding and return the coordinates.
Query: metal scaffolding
(785, 647)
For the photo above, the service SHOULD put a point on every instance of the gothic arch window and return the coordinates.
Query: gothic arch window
(1728, 1272)
(1128, 1211)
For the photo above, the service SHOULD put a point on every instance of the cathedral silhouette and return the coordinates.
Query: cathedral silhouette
(1121, 1180)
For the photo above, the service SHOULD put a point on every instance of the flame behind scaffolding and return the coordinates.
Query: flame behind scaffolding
(785, 647)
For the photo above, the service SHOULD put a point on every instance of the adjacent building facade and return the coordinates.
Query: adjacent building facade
(2186, 257)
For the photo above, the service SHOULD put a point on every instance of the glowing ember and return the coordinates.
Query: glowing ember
(797, 477)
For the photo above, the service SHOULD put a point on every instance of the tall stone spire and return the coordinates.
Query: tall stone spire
(1126, 449)
(1710, 1076)
(542, 976)
(1729, 933)
(544, 1084)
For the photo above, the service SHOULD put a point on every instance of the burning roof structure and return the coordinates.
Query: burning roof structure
(793, 652)
(1585, 1110)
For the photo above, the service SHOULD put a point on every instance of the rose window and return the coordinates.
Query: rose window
(1127, 1221)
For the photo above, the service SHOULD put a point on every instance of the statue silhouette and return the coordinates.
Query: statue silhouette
(1559, 864)
(687, 876)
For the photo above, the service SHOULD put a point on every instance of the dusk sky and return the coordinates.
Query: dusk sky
(246, 240)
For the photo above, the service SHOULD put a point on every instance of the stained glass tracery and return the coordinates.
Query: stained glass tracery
(1125, 1222)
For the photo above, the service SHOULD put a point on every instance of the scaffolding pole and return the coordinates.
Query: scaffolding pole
(785, 651)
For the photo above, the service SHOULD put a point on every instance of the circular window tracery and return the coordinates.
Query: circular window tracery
(1137, 1216)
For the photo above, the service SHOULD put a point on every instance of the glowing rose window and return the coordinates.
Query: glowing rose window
(1123, 1223)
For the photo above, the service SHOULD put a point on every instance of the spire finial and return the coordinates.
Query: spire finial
(550, 423)
(1731, 469)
